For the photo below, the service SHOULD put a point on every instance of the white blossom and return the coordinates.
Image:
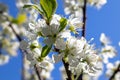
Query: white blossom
(108, 52)
(104, 39)
(52, 29)
(46, 72)
(119, 43)
(4, 59)
(117, 76)
(111, 68)
(74, 22)
(81, 56)
(73, 7)
(97, 3)
(63, 72)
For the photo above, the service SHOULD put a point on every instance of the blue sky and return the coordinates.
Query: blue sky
(106, 20)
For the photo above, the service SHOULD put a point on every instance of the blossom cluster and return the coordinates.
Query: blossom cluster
(77, 52)
(111, 69)
(8, 42)
(46, 32)
(75, 6)
(107, 51)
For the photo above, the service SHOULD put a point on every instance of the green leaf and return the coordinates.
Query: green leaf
(48, 7)
(21, 18)
(45, 50)
(35, 7)
(63, 23)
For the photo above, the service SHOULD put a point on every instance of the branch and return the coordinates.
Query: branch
(84, 18)
(115, 72)
(80, 76)
(69, 74)
(84, 27)
(20, 39)
(38, 71)
(66, 65)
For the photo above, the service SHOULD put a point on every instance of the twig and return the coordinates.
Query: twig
(115, 72)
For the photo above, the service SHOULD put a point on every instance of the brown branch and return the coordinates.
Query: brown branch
(84, 18)
(66, 65)
(115, 72)
(69, 74)
(84, 8)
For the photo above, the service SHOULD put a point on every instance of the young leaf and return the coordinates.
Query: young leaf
(63, 23)
(45, 50)
(48, 7)
(21, 18)
(35, 7)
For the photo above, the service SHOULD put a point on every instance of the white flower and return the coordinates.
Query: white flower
(104, 39)
(86, 77)
(91, 58)
(108, 52)
(47, 68)
(80, 56)
(57, 58)
(117, 76)
(45, 74)
(69, 5)
(119, 43)
(31, 36)
(52, 29)
(97, 3)
(99, 68)
(60, 44)
(19, 29)
(100, 3)
(73, 7)
(4, 59)
(63, 72)
(75, 22)
(76, 45)
(111, 68)
(64, 34)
